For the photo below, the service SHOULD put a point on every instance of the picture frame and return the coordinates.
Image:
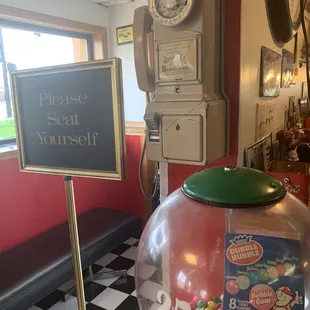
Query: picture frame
(287, 69)
(259, 155)
(304, 90)
(124, 35)
(270, 80)
(303, 106)
(99, 130)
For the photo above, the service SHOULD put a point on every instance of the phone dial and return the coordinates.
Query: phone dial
(171, 12)
(187, 118)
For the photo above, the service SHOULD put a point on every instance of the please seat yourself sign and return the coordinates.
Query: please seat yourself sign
(70, 119)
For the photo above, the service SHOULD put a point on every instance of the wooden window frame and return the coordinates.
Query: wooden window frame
(99, 34)
(99, 42)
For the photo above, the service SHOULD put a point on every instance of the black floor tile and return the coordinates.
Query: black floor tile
(130, 303)
(95, 268)
(124, 284)
(50, 300)
(92, 290)
(121, 249)
(121, 263)
(94, 307)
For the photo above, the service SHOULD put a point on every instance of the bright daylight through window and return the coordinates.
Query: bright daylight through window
(26, 49)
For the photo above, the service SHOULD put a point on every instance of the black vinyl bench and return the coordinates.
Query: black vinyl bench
(34, 269)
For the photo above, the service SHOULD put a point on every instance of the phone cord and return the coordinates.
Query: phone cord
(150, 197)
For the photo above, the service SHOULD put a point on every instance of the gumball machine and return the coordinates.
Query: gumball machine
(229, 238)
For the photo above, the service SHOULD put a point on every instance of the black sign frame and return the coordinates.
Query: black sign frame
(114, 65)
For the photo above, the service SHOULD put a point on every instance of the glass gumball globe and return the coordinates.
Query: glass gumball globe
(226, 236)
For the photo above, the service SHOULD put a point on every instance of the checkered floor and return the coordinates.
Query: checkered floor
(107, 294)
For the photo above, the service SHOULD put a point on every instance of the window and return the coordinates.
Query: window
(24, 46)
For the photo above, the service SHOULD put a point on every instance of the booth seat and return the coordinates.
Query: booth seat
(37, 267)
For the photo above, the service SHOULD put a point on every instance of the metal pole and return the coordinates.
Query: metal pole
(75, 245)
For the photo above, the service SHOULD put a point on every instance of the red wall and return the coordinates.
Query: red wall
(178, 173)
(32, 203)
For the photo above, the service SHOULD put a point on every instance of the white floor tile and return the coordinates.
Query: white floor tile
(131, 271)
(149, 290)
(131, 241)
(131, 253)
(34, 308)
(107, 259)
(107, 281)
(155, 306)
(70, 304)
(109, 299)
(67, 286)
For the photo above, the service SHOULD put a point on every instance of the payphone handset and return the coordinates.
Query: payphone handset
(164, 14)
(186, 122)
(143, 23)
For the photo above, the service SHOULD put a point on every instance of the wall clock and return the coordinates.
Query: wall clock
(170, 12)
(284, 18)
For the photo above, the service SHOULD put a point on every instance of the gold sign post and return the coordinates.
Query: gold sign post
(70, 121)
(75, 244)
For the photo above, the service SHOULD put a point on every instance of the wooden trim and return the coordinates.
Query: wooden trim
(79, 50)
(8, 155)
(135, 128)
(99, 34)
(100, 45)
(40, 19)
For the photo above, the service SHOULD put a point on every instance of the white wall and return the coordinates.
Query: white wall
(134, 99)
(255, 33)
(79, 10)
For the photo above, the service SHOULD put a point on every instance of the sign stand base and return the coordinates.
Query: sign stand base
(75, 245)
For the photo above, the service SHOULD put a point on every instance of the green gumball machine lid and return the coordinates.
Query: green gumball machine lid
(233, 187)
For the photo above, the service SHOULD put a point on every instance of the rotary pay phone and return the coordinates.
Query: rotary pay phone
(187, 118)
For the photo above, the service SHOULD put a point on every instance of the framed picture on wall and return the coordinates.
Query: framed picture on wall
(124, 35)
(287, 69)
(304, 90)
(270, 73)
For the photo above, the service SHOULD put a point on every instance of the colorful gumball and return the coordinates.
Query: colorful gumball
(263, 275)
(212, 304)
(281, 270)
(289, 269)
(204, 296)
(217, 300)
(253, 277)
(192, 305)
(232, 287)
(201, 304)
(195, 300)
(244, 282)
(273, 273)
